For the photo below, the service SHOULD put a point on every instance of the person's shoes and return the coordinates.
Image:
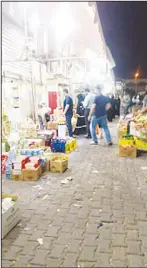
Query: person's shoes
(93, 143)
(110, 143)
(87, 137)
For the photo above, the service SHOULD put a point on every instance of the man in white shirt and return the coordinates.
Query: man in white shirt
(87, 103)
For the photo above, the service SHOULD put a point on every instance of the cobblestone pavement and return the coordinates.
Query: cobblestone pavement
(99, 219)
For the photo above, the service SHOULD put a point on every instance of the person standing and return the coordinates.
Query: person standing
(113, 106)
(68, 111)
(80, 126)
(117, 105)
(98, 113)
(87, 104)
(145, 100)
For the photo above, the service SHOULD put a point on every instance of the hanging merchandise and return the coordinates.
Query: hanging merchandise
(16, 102)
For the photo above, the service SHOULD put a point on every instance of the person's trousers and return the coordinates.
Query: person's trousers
(86, 114)
(102, 122)
(69, 124)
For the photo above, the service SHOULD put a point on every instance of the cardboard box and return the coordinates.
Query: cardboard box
(31, 175)
(52, 125)
(11, 216)
(58, 164)
(16, 175)
(127, 151)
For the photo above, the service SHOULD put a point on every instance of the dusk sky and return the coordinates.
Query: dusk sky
(125, 30)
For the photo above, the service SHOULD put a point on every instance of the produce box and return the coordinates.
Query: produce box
(67, 148)
(59, 163)
(31, 175)
(128, 151)
(10, 217)
(52, 125)
(16, 175)
(127, 140)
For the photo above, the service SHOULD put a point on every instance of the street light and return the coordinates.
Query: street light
(136, 77)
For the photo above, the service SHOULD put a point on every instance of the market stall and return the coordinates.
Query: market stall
(132, 134)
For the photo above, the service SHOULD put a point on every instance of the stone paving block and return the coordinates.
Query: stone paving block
(141, 216)
(36, 234)
(92, 228)
(53, 263)
(90, 240)
(135, 261)
(70, 260)
(52, 231)
(29, 248)
(57, 251)
(118, 263)
(104, 246)
(7, 264)
(134, 247)
(80, 224)
(86, 264)
(103, 260)
(63, 239)
(118, 240)
(47, 243)
(77, 234)
(21, 240)
(70, 218)
(57, 221)
(40, 258)
(74, 246)
(132, 235)
(23, 261)
(119, 253)
(12, 253)
(67, 228)
(87, 254)
(105, 233)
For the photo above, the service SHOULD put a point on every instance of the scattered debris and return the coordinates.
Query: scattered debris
(66, 180)
(95, 172)
(45, 197)
(77, 205)
(69, 178)
(40, 241)
(38, 186)
(26, 229)
(19, 224)
(100, 225)
(79, 198)
(143, 168)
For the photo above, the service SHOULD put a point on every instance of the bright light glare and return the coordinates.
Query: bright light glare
(34, 21)
(108, 87)
(63, 22)
(136, 75)
(90, 54)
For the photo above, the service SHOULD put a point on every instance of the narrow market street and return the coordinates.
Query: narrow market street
(97, 219)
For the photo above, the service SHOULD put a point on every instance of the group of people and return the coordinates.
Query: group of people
(128, 102)
(92, 111)
(91, 108)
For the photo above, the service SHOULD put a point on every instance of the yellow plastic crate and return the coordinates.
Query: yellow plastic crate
(126, 142)
(67, 148)
(141, 144)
